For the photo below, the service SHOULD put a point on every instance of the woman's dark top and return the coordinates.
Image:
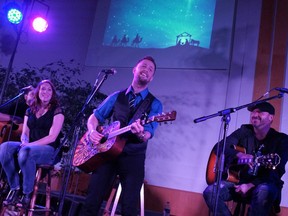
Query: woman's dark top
(40, 127)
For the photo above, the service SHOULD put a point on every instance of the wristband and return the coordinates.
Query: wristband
(142, 136)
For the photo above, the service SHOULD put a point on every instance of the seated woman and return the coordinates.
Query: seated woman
(40, 137)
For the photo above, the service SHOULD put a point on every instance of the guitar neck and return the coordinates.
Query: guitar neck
(159, 118)
(119, 131)
(125, 129)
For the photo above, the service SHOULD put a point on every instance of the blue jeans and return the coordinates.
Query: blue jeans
(262, 198)
(13, 157)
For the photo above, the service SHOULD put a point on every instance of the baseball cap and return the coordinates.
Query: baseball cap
(263, 107)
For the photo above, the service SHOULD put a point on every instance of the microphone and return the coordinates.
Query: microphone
(111, 71)
(283, 90)
(27, 88)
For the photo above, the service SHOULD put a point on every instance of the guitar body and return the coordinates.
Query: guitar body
(88, 157)
(5, 128)
(269, 161)
(99, 158)
(211, 169)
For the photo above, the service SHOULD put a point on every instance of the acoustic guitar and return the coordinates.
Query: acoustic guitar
(88, 157)
(5, 128)
(269, 161)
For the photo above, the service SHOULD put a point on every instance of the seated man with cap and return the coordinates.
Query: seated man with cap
(259, 183)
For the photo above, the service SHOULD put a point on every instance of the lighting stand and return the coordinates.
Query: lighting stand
(11, 60)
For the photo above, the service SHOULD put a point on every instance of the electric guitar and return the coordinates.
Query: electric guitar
(88, 156)
(5, 128)
(269, 161)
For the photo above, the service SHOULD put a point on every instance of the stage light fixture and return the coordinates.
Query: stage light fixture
(39, 24)
(14, 13)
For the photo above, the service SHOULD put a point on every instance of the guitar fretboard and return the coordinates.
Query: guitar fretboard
(119, 131)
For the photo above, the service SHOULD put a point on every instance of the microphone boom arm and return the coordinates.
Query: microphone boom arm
(13, 99)
(231, 110)
(96, 88)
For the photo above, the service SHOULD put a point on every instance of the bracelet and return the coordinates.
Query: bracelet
(142, 136)
(24, 139)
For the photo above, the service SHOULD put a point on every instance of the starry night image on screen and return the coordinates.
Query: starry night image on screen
(159, 23)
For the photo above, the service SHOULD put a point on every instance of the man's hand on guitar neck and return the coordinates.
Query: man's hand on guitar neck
(246, 157)
(244, 188)
(243, 156)
(138, 129)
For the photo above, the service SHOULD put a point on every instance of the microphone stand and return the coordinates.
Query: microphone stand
(16, 107)
(75, 126)
(226, 119)
(13, 99)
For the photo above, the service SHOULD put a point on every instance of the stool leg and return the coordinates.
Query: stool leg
(34, 195)
(116, 200)
(142, 200)
(48, 193)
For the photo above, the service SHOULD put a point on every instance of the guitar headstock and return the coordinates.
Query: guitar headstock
(269, 161)
(163, 117)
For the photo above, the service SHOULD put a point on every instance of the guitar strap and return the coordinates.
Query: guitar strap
(143, 107)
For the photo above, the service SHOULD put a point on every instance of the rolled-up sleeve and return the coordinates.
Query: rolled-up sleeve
(104, 110)
(156, 108)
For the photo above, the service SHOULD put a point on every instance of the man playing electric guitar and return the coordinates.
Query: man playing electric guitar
(123, 106)
(260, 184)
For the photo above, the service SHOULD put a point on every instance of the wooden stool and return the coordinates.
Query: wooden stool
(47, 182)
(118, 189)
